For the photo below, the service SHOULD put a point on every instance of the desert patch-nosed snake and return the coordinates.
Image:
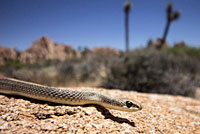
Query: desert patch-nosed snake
(62, 96)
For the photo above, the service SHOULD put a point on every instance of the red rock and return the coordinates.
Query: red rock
(45, 49)
(7, 54)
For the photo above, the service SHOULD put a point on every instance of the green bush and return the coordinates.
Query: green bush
(15, 64)
(81, 70)
(186, 50)
(148, 70)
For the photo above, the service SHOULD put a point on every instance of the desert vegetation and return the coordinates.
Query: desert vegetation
(171, 70)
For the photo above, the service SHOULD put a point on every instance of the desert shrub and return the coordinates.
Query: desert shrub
(11, 66)
(83, 69)
(14, 64)
(148, 70)
(42, 72)
(185, 50)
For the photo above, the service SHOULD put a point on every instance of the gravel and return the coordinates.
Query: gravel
(160, 114)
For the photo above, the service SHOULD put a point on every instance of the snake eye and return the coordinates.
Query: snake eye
(129, 104)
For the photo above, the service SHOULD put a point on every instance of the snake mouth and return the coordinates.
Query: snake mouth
(140, 107)
(135, 108)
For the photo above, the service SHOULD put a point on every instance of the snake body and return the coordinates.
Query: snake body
(64, 96)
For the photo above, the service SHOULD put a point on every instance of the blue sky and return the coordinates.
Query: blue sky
(95, 23)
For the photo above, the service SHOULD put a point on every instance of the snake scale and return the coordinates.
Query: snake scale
(64, 96)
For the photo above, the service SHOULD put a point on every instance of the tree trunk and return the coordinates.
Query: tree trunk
(127, 31)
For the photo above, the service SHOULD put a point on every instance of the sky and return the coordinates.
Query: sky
(95, 23)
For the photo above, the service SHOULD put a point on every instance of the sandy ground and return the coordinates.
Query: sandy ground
(161, 114)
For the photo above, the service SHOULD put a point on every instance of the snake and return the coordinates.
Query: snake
(12, 86)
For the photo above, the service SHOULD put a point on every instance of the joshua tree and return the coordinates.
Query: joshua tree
(170, 17)
(127, 8)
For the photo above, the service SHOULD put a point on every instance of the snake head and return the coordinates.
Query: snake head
(124, 105)
(132, 106)
(106, 101)
(129, 105)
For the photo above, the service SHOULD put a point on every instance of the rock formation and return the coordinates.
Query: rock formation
(106, 51)
(45, 49)
(7, 54)
(42, 49)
